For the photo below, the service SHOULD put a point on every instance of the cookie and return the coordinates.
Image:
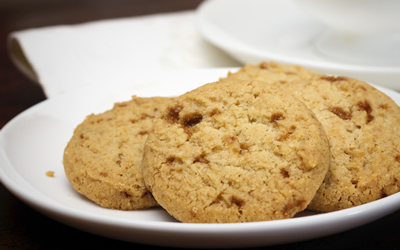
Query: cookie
(362, 125)
(103, 158)
(235, 151)
(273, 73)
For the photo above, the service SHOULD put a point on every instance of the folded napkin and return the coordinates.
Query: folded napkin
(61, 58)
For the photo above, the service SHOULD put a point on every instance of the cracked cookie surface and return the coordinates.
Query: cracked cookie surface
(235, 151)
(103, 158)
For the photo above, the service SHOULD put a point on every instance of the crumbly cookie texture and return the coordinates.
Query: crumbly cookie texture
(103, 158)
(235, 151)
(273, 73)
(362, 125)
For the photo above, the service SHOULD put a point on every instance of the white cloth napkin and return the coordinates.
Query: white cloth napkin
(61, 58)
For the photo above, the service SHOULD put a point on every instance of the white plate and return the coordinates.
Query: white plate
(33, 143)
(256, 30)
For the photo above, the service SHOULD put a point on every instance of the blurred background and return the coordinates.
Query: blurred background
(17, 92)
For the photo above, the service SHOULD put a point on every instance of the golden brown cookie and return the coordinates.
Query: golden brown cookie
(362, 125)
(363, 128)
(103, 158)
(235, 151)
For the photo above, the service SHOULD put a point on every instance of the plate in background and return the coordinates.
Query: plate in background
(255, 30)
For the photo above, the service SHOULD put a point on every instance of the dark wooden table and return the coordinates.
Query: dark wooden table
(22, 227)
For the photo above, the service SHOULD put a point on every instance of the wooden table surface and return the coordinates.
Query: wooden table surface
(22, 227)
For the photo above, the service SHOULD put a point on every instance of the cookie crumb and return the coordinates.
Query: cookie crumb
(50, 173)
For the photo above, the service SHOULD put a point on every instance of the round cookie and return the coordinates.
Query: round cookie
(272, 72)
(235, 151)
(363, 128)
(103, 158)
